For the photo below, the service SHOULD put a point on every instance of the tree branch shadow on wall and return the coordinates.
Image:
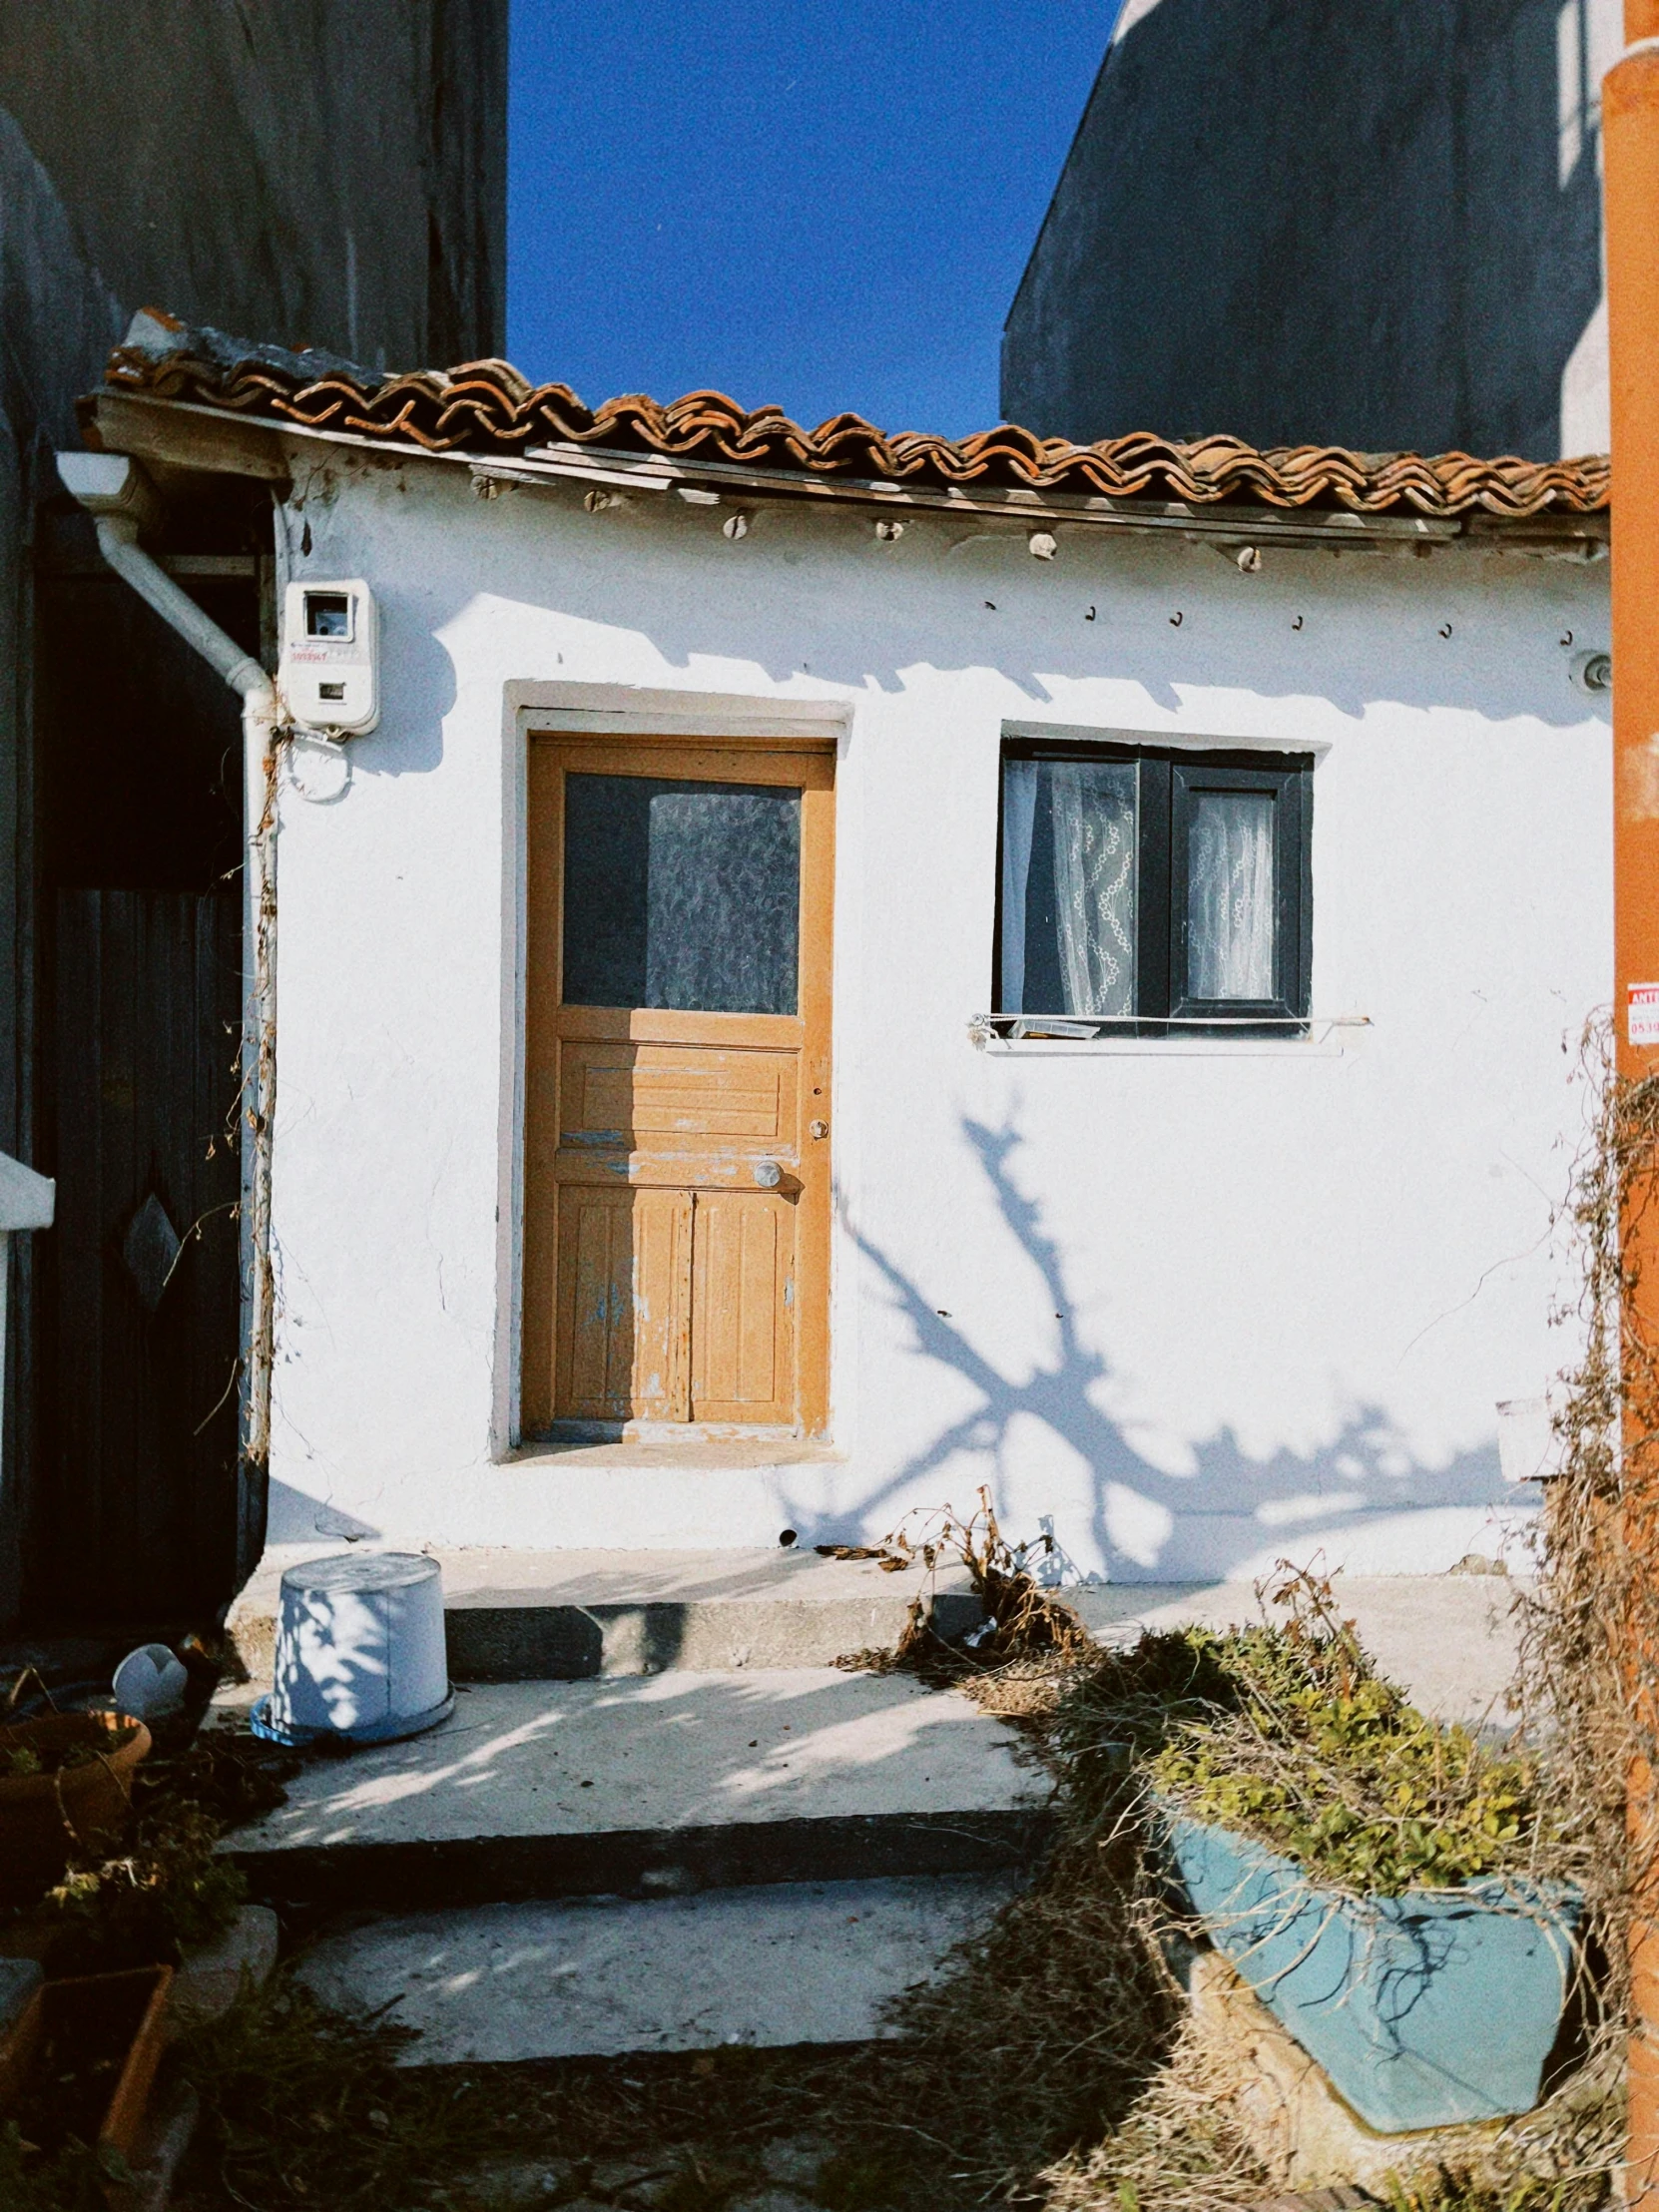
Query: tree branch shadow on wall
(1232, 1515)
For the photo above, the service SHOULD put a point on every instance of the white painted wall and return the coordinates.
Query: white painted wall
(1291, 1284)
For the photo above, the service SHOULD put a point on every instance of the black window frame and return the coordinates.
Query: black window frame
(1169, 779)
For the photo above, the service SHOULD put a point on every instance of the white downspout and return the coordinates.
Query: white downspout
(117, 497)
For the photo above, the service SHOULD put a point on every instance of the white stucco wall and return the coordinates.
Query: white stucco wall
(1205, 1305)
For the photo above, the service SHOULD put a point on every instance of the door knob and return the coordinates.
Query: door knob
(767, 1174)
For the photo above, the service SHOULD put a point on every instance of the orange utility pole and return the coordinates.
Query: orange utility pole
(1630, 151)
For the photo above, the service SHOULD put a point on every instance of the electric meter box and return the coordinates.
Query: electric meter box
(329, 673)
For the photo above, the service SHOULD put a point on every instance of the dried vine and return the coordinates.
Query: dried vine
(1588, 1685)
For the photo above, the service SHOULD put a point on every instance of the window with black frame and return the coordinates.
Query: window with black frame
(1154, 892)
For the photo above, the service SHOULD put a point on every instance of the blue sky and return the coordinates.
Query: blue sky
(829, 207)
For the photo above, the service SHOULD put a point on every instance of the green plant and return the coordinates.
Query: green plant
(1304, 1746)
(166, 1889)
(167, 1886)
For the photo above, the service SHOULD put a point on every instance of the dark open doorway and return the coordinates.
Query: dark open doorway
(139, 1514)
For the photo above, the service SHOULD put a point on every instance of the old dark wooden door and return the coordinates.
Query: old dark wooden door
(136, 1508)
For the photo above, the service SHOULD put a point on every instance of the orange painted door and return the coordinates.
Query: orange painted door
(677, 1172)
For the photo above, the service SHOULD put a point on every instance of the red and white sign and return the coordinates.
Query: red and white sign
(1644, 1014)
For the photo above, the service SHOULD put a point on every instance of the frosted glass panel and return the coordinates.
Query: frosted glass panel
(1230, 901)
(1068, 886)
(681, 894)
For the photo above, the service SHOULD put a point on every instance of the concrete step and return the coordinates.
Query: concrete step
(571, 1616)
(646, 1787)
(796, 1962)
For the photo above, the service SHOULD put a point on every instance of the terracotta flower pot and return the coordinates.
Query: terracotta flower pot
(47, 1817)
(83, 2058)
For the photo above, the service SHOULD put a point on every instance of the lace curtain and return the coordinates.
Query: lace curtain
(1229, 919)
(1089, 808)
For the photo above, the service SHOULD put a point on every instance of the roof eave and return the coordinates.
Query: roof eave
(189, 435)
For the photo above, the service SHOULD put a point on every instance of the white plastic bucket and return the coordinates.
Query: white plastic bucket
(359, 1650)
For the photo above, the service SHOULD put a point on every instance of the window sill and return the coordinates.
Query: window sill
(1332, 1038)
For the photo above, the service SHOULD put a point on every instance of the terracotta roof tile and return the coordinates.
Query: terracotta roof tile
(487, 408)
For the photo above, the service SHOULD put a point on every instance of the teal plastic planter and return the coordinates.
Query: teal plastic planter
(1426, 2009)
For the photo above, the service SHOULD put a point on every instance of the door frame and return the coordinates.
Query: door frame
(534, 709)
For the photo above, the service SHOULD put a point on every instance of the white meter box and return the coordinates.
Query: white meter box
(329, 674)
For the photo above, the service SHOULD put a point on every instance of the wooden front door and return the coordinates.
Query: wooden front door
(677, 1169)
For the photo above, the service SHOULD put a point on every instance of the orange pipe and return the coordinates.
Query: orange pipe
(1630, 125)
(1630, 128)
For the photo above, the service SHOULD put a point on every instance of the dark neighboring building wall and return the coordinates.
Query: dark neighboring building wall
(327, 173)
(324, 173)
(1328, 220)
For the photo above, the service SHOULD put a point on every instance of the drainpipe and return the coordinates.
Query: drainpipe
(121, 500)
(1630, 149)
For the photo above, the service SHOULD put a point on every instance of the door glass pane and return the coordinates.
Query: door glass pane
(681, 894)
(1230, 902)
(1068, 886)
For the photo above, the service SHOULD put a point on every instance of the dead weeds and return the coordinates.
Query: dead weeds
(1015, 1664)
(302, 2106)
(341, 2125)
(1089, 2088)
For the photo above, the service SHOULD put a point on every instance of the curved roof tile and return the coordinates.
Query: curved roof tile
(488, 408)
